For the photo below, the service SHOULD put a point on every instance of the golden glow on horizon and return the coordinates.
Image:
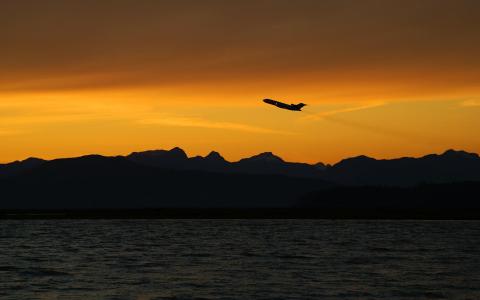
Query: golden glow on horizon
(381, 79)
(47, 127)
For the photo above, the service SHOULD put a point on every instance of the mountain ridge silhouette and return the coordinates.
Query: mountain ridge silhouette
(432, 186)
(449, 166)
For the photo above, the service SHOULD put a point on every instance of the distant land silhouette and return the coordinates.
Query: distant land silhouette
(431, 186)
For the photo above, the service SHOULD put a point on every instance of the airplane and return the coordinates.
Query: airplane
(295, 107)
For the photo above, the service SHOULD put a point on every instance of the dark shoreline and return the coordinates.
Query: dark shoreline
(246, 213)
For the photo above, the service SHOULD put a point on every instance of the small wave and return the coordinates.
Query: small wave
(8, 269)
(197, 255)
(354, 294)
(359, 260)
(418, 294)
(44, 272)
(251, 254)
(380, 249)
(303, 257)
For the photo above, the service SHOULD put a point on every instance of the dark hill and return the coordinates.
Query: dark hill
(428, 201)
(451, 166)
(97, 182)
(161, 178)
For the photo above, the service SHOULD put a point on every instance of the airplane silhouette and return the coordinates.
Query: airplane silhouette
(295, 107)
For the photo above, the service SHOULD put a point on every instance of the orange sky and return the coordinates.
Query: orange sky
(382, 78)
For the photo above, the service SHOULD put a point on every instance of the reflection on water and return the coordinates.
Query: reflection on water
(239, 259)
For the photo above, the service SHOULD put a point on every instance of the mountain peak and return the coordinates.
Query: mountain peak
(265, 157)
(460, 154)
(32, 161)
(214, 155)
(360, 158)
(363, 157)
(321, 166)
(178, 152)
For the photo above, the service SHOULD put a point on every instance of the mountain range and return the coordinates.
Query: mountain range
(450, 166)
(171, 179)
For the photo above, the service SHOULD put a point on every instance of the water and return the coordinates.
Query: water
(239, 259)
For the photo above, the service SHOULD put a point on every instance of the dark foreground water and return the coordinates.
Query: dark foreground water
(239, 259)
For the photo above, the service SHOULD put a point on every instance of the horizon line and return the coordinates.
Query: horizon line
(234, 161)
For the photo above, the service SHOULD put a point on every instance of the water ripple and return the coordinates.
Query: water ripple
(239, 259)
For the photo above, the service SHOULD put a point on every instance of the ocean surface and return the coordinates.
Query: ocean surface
(239, 259)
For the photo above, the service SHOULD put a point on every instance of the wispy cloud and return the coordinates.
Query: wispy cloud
(10, 132)
(471, 103)
(32, 113)
(378, 129)
(186, 121)
(328, 113)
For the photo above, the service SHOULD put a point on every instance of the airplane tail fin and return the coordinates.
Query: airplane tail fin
(300, 105)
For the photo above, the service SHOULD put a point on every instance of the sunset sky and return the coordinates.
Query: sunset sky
(381, 78)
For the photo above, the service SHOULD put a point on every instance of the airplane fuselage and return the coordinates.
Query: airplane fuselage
(294, 107)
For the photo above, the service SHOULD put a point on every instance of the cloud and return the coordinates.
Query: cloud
(329, 45)
(10, 132)
(378, 129)
(322, 115)
(27, 114)
(185, 121)
(470, 103)
(46, 112)
(383, 130)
